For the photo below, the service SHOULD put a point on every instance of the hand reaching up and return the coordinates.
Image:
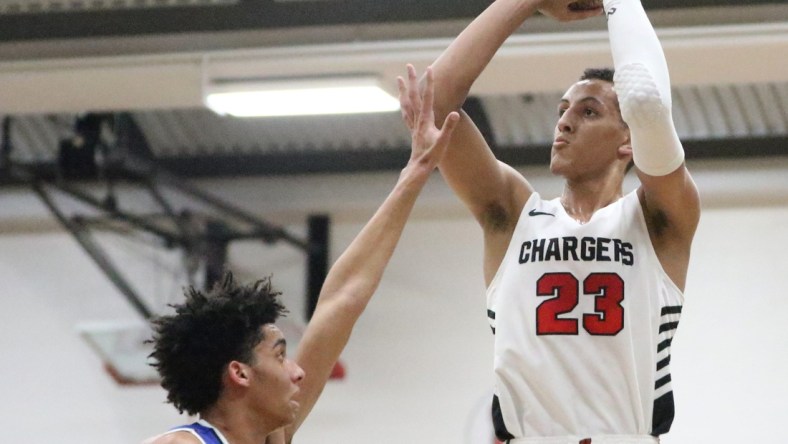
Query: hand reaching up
(428, 142)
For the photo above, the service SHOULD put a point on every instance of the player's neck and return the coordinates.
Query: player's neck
(238, 424)
(581, 199)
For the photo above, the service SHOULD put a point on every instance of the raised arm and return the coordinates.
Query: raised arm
(492, 190)
(489, 188)
(669, 196)
(458, 67)
(356, 274)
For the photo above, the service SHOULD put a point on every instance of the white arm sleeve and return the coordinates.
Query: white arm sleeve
(642, 84)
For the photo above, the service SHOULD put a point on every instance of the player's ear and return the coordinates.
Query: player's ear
(238, 373)
(625, 150)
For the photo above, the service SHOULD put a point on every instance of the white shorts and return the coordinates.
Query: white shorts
(601, 439)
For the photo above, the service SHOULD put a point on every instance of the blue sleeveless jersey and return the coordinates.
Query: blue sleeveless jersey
(207, 435)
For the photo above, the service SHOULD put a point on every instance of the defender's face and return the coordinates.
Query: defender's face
(589, 131)
(276, 378)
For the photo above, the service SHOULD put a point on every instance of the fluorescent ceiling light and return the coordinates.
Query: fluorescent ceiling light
(299, 97)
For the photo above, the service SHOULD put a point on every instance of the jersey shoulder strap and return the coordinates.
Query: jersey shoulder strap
(205, 432)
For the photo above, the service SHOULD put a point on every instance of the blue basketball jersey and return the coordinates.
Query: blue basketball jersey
(205, 432)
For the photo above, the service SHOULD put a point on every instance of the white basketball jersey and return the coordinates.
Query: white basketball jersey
(583, 317)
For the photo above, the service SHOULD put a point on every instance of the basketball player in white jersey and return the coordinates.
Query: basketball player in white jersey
(584, 291)
(221, 356)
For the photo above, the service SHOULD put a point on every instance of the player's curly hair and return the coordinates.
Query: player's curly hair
(209, 330)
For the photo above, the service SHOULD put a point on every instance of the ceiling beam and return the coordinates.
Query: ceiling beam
(393, 159)
(529, 63)
(344, 161)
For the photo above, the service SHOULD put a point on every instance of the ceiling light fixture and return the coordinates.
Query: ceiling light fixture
(299, 97)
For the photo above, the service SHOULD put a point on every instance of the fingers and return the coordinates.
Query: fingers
(429, 142)
(426, 114)
(413, 88)
(433, 155)
(446, 131)
(404, 104)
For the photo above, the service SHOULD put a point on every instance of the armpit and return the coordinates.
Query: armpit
(496, 218)
(656, 220)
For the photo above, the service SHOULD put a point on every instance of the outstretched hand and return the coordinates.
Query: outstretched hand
(570, 10)
(428, 143)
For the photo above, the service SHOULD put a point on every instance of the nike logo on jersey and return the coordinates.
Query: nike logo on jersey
(539, 213)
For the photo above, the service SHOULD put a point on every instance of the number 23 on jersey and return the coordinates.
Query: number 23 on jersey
(607, 290)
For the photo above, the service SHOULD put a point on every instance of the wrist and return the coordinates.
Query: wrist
(414, 175)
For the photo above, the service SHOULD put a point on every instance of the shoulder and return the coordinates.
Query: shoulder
(182, 437)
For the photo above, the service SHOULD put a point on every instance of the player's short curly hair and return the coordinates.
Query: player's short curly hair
(209, 330)
(605, 74)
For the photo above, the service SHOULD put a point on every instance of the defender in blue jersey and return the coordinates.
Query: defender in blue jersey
(222, 357)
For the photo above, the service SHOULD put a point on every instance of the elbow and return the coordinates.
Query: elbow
(456, 96)
(353, 306)
(449, 95)
(349, 300)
